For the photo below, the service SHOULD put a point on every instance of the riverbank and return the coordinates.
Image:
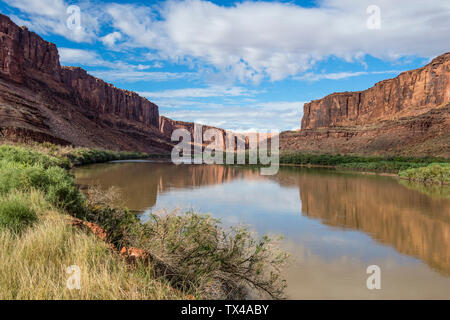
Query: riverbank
(427, 170)
(48, 225)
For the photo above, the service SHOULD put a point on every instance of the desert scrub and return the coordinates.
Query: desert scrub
(16, 213)
(432, 174)
(196, 254)
(218, 263)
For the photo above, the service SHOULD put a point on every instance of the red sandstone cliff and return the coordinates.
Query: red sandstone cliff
(408, 115)
(410, 94)
(40, 100)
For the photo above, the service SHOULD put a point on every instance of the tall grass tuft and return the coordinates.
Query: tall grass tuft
(16, 213)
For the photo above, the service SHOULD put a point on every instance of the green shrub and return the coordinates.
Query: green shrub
(28, 156)
(435, 173)
(88, 156)
(195, 254)
(55, 182)
(16, 214)
(382, 164)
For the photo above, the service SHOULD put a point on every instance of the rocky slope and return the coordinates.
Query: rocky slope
(407, 115)
(41, 100)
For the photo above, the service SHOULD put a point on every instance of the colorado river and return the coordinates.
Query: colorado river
(333, 224)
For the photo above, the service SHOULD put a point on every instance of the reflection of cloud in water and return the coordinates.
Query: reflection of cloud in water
(236, 198)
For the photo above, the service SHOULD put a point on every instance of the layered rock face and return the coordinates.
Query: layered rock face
(167, 126)
(425, 135)
(104, 98)
(24, 54)
(410, 94)
(41, 100)
(408, 115)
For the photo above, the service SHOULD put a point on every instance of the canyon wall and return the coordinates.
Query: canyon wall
(104, 98)
(44, 101)
(167, 126)
(27, 58)
(408, 116)
(410, 94)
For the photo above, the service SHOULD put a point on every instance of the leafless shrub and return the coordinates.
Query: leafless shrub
(98, 197)
(222, 264)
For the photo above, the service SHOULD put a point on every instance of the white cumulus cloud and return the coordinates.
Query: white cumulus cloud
(253, 40)
(52, 16)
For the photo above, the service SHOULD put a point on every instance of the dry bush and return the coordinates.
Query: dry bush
(198, 254)
(97, 196)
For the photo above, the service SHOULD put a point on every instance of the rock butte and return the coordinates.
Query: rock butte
(410, 94)
(407, 115)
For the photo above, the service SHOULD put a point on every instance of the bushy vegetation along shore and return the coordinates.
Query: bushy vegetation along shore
(189, 255)
(431, 174)
(378, 164)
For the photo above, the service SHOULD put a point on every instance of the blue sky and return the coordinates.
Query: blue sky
(242, 66)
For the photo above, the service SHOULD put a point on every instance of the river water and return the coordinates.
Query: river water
(333, 224)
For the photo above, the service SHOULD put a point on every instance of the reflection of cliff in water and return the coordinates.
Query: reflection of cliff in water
(413, 223)
(140, 183)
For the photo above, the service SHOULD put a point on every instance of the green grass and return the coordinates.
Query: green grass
(26, 156)
(47, 155)
(16, 214)
(55, 182)
(33, 263)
